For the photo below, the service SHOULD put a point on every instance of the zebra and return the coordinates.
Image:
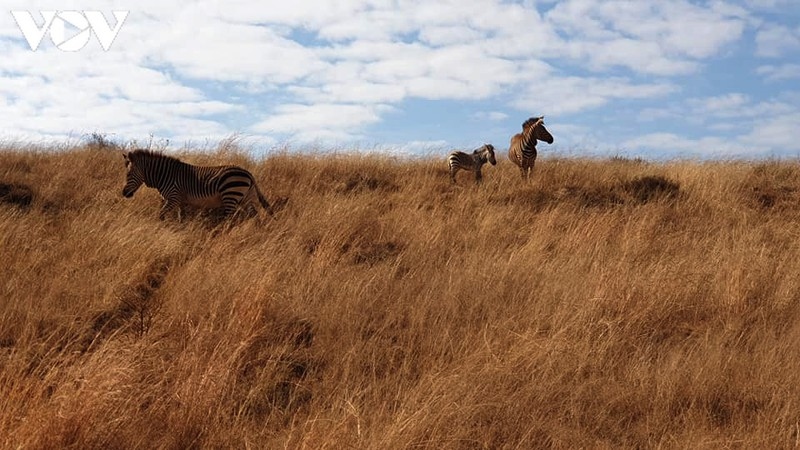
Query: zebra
(523, 145)
(180, 184)
(474, 161)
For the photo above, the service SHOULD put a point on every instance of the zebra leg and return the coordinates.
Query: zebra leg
(230, 209)
(183, 211)
(478, 176)
(169, 204)
(264, 203)
(453, 171)
(230, 202)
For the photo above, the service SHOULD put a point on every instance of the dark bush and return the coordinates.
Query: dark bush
(16, 194)
(649, 188)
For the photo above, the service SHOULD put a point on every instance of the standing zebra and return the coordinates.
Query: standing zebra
(523, 145)
(460, 160)
(179, 183)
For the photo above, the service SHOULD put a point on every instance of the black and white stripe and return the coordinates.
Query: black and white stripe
(473, 162)
(179, 183)
(523, 145)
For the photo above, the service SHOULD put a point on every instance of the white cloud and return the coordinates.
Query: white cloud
(423, 148)
(669, 145)
(728, 105)
(661, 38)
(754, 139)
(564, 95)
(770, 4)
(776, 132)
(310, 122)
(744, 127)
(688, 29)
(736, 106)
(638, 55)
(449, 35)
(351, 91)
(248, 53)
(775, 40)
(493, 116)
(57, 94)
(309, 14)
(779, 72)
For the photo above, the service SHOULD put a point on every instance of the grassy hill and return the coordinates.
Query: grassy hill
(607, 303)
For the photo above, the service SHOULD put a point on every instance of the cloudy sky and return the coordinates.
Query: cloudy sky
(658, 79)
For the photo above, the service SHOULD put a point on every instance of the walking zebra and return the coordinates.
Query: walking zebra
(523, 145)
(179, 183)
(460, 160)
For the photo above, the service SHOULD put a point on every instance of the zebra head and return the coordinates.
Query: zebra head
(135, 177)
(539, 131)
(489, 149)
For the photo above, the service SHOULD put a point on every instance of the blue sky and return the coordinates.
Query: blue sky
(660, 80)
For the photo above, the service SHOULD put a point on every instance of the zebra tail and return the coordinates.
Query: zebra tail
(264, 202)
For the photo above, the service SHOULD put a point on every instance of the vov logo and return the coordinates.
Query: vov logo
(70, 31)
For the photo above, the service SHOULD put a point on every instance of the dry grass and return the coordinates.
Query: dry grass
(605, 304)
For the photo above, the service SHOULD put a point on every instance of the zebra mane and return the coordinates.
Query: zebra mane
(483, 148)
(140, 152)
(533, 121)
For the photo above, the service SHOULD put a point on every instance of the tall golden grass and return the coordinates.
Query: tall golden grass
(607, 303)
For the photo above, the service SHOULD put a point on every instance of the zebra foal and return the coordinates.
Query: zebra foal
(522, 151)
(179, 183)
(473, 162)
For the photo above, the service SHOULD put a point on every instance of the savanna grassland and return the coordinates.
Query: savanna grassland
(605, 304)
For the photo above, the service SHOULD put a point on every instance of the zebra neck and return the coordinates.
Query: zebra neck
(529, 138)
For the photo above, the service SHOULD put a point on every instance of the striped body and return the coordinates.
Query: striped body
(179, 183)
(471, 161)
(522, 151)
